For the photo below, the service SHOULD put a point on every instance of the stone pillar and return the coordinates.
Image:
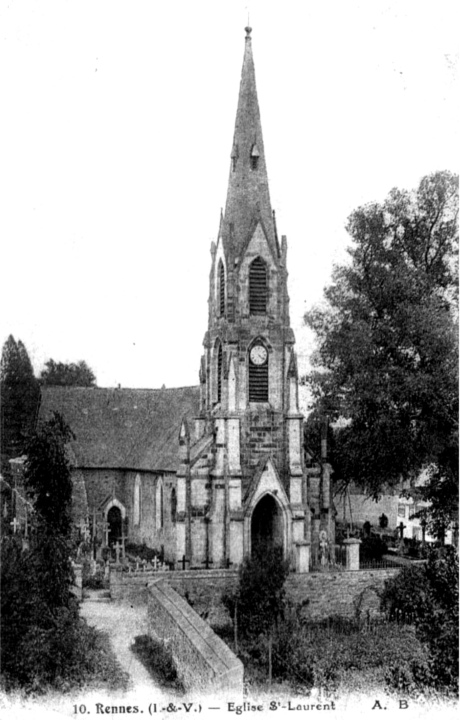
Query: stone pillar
(352, 549)
(302, 557)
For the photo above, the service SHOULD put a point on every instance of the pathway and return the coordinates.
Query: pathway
(122, 623)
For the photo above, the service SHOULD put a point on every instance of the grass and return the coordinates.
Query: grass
(336, 656)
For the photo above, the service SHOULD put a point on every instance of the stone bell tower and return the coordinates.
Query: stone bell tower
(242, 480)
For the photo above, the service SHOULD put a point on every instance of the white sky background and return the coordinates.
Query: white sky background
(116, 127)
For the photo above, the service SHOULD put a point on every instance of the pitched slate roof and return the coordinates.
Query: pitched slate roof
(118, 428)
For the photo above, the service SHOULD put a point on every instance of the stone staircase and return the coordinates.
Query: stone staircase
(96, 596)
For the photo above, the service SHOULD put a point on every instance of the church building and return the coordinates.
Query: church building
(214, 473)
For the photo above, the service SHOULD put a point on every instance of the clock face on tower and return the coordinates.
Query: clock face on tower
(258, 355)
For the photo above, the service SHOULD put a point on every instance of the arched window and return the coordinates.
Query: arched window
(159, 505)
(219, 373)
(173, 505)
(221, 289)
(258, 373)
(258, 287)
(137, 500)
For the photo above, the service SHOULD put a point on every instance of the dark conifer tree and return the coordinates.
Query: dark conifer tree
(19, 402)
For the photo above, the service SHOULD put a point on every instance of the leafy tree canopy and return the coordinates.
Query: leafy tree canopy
(57, 373)
(19, 400)
(387, 359)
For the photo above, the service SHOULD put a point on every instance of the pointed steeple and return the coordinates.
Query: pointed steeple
(248, 197)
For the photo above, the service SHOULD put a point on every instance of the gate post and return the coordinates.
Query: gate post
(352, 549)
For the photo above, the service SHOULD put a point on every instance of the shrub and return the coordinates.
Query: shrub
(142, 551)
(158, 661)
(67, 656)
(372, 548)
(339, 652)
(260, 597)
(427, 597)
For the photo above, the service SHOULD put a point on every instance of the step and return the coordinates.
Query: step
(96, 594)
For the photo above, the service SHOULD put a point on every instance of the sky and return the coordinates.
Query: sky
(115, 138)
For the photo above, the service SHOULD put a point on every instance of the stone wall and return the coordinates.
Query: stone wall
(327, 593)
(203, 589)
(204, 662)
(339, 593)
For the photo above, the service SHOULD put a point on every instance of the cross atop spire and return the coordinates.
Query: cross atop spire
(248, 196)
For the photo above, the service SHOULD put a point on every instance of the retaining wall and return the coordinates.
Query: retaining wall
(204, 662)
(340, 593)
(328, 593)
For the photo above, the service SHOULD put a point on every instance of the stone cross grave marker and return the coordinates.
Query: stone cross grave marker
(123, 540)
(105, 527)
(16, 524)
(83, 527)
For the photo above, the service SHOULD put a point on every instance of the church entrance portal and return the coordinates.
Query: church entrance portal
(266, 525)
(115, 529)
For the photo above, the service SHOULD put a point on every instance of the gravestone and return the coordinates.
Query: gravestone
(118, 546)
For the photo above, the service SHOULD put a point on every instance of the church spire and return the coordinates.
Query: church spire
(248, 197)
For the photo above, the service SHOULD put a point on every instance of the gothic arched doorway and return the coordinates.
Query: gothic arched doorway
(115, 526)
(266, 525)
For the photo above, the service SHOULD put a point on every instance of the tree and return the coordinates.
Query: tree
(387, 359)
(20, 395)
(57, 373)
(44, 643)
(260, 597)
(36, 585)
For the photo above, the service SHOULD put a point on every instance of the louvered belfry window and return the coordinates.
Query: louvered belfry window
(219, 374)
(258, 382)
(258, 287)
(221, 289)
